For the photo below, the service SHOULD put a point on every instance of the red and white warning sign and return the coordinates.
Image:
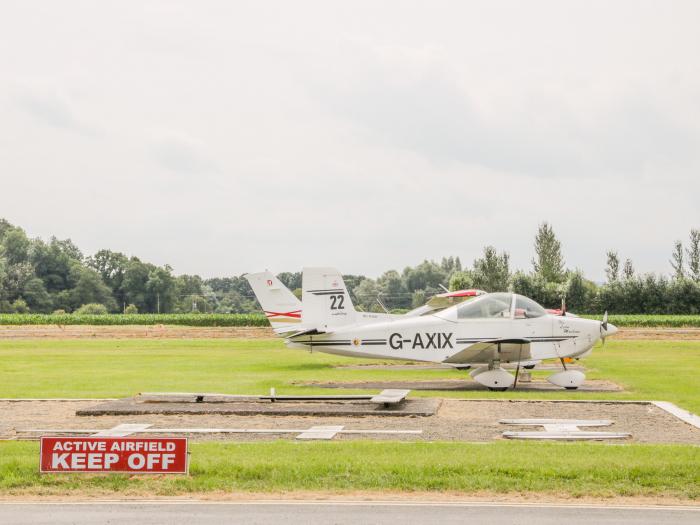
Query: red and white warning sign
(114, 454)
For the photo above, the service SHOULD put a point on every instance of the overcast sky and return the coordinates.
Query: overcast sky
(226, 137)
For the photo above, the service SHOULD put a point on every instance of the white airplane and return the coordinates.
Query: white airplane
(488, 330)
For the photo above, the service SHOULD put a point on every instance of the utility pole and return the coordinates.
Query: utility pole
(158, 301)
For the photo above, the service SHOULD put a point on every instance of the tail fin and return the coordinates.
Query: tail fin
(281, 307)
(326, 300)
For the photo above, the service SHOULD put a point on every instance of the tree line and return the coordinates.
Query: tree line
(54, 275)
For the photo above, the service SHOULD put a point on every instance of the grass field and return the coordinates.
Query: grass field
(664, 370)
(571, 470)
(659, 370)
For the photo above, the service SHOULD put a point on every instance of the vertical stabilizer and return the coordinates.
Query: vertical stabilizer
(281, 306)
(326, 300)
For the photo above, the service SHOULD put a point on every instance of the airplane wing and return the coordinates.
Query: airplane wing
(487, 351)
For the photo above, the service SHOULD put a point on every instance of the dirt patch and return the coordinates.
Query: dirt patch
(536, 385)
(665, 334)
(456, 420)
(134, 332)
(484, 496)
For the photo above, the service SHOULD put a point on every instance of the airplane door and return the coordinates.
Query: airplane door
(530, 319)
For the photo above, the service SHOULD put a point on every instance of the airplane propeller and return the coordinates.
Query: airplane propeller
(604, 327)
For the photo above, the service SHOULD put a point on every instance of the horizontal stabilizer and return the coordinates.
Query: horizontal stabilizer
(311, 331)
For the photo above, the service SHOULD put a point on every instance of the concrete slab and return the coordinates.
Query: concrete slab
(131, 406)
(562, 429)
(321, 432)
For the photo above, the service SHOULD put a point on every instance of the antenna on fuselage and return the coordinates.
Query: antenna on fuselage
(379, 301)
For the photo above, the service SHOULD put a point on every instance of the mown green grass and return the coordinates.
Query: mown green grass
(659, 370)
(577, 470)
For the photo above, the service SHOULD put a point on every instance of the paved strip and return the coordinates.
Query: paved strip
(340, 513)
(681, 414)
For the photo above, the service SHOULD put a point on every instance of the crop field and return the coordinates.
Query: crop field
(660, 370)
(258, 319)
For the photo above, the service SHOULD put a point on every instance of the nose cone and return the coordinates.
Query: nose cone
(611, 330)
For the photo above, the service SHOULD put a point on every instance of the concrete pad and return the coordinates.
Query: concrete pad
(321, 432)
(131, 406)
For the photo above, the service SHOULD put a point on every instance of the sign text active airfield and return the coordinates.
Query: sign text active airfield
(113, 454)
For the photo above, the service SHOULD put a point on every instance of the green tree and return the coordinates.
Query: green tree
(426, 276)
(131, 309)
(612, 271)
(492, 271)
(134, 284)
(628, 269)
(54, 263)
(291, 280)
(392, 290)
(693, 253)
(580, 293)
(111, 267)
(19, 306)
(38, 299)
(161, 288)
(5, 227)
(89, 288)
(92, 309)
(16, 247)
(462, 280)
(549, 263)
(677, 260)
(366, 293)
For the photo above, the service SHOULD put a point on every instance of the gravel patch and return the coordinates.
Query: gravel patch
(456, 420)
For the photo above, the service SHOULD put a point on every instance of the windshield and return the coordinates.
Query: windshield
(526, 308)
(491, 306)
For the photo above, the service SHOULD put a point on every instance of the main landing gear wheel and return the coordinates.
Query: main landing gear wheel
(495, 379)
(569, 379)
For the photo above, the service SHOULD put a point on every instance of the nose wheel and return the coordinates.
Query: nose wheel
(568, 379)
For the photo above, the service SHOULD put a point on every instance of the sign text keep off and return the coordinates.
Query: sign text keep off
(114, 454)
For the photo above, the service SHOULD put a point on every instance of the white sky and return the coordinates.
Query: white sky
(225, 137)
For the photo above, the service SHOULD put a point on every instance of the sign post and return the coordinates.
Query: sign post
(114, 454)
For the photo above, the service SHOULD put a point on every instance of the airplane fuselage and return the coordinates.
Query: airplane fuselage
(436, 338)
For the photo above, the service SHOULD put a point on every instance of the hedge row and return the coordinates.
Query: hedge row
(136, 319)
(651, 320)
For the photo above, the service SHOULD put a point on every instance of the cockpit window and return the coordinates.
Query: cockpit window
(526, 308)
(491, 306)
